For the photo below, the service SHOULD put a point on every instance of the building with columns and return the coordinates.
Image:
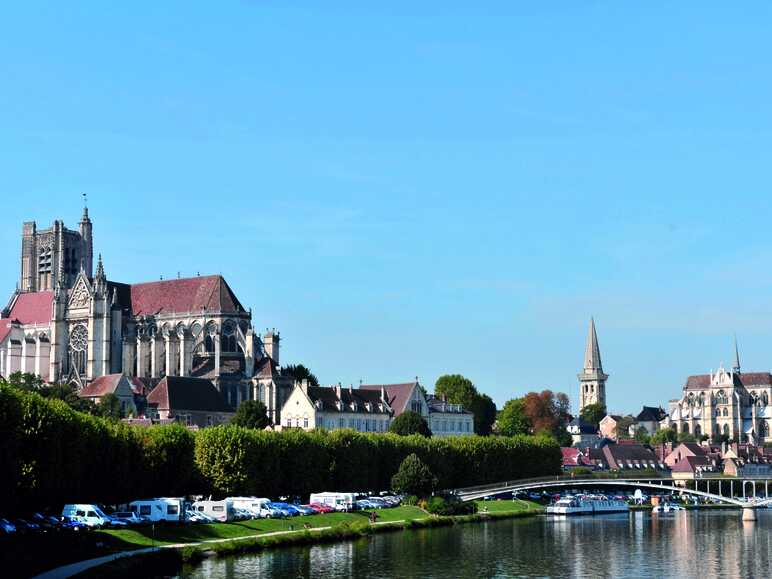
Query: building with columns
(592, 380)
(67, 323)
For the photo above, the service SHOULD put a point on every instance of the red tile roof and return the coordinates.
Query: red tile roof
(397, 394)
(210, 293)
(28, 308)
(101, 386)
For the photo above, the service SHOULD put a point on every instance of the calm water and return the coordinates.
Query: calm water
(684, 544)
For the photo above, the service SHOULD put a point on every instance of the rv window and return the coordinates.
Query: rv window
(80, 513)
(217, 509)
(172, 509)
(201, 509)
(91, 514)
(144, 509)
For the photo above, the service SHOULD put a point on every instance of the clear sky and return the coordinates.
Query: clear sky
(421, 187)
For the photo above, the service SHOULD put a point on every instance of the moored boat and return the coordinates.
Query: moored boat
(582, 506)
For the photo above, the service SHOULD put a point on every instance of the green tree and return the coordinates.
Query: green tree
(642, 435)
(622, 429)
(414, 477)
(110, 407)
(251, 414)
(664, 435)
(458, 389)
(408, 423)
(299, 373)
(67, 394)
(593, 413)
(26, 381)
(512, 418)
(686, 437)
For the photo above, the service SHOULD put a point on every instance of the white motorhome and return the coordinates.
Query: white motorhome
(219, 510)
(254, 505)
(338, 501)
(90, 515)
(160, 509)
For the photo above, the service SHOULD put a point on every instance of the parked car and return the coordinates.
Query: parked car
(305, 510)
(130, 517)
(7, 527)
(44, 522)
(286, 508)
(25, 526)
(321, 508)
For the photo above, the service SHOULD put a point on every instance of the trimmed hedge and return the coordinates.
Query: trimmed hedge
(51, 455)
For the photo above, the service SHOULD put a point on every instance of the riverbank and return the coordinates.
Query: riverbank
(172, 545)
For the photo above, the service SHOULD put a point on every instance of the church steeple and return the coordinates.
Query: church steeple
(592, 359)
(736, 365)
(592, 380)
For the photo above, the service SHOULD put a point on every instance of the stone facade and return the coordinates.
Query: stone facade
(592, 380)
(725, 403)
(66, 325)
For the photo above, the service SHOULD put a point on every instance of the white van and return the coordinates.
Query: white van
(221, 511)
(160, 509)
(90, 515)
(338, 501)
(258, 507)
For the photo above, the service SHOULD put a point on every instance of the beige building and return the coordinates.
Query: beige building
(335, 407)
(68, 323)
(592, 379)
(728, 403)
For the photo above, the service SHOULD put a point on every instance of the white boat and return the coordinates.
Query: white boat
(667, 508)
(579, 506)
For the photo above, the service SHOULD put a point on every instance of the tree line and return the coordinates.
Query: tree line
(52, 454)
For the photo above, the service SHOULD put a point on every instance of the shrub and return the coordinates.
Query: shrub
(449, 506)
(408, 423)
(414, 477)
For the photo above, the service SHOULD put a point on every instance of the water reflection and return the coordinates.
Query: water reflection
(682, 544)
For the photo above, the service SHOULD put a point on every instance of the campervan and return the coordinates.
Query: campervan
(160, 509)
(89, 515)
(338, 501)
(257, 507)
(220, 510)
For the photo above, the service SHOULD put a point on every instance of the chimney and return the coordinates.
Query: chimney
(304, 385)
(339, 391)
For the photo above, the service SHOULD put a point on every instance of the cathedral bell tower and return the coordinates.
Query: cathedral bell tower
(592, 380)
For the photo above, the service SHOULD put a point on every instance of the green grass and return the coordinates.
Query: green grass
(508, 506)
(171, 534)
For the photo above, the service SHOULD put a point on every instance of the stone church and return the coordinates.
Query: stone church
(725, 403)
(68, 323)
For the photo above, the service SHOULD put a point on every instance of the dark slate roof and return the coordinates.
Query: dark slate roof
(584, 426)
(177, 393)
(650, 413)
(194, 294)
(266, 368)
(203, 367)
(439, 405)
(629, 452)
(328, 396)
(398, 394)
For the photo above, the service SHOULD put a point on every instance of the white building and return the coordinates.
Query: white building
(335, 407)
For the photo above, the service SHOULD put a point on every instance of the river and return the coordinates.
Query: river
(684, 544)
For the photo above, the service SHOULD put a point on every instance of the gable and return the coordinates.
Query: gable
(80, 296)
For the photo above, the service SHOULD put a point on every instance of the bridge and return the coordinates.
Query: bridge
(748, 504)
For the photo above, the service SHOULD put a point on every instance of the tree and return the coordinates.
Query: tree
(413, 477)
(593, 413)
(664, 435)
(686, 437)
(622, 429)
(542, 410)
(251, 414)
(512, 418)
(458, 389)
(299, 373)
(26, 381)
(642, 435)
(110, 407)
(68, 394)
(408, 423)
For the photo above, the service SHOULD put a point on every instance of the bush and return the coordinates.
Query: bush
(581, 471)
(408, 423)
(413, 477)
(449, 506)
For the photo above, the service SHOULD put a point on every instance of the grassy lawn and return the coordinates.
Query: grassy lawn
(508, 506)
(169, 534)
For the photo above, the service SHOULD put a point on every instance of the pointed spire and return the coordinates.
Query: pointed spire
(85, 219)
(736, 366)
(100, 270)
(592, 351)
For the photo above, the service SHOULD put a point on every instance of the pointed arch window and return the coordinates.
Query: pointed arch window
(78, 348)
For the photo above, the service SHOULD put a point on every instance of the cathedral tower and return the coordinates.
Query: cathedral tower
(592, 380)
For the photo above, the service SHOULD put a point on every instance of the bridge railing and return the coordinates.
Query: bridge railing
(554, 478)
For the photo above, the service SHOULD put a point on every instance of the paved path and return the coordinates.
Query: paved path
(80, 566)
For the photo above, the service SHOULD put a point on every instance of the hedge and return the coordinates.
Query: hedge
(51, 455)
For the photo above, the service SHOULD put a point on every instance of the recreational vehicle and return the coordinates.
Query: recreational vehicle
(219, 510)
(160, 509)
(338, 501)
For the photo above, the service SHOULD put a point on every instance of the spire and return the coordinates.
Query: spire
(592, 351)
(736, 366)
(100, 270)
(85, 218)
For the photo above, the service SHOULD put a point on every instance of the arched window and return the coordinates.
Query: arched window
(764, 398)
(697, 431)
(726, 429)
(209, 344)
(721, 397)
(726, 412)
(78, 348)
(685, 428)
(763, 429)
(702, 399)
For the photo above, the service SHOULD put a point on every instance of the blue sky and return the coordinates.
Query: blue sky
(417, 188)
